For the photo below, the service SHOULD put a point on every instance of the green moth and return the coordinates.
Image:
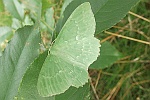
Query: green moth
(74, 50)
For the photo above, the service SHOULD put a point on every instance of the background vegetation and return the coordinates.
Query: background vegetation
(126, 79)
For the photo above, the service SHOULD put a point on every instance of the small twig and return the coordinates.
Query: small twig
(129, 38)
(106, 95)
(111, 94)
(99, 74)
(94, 90)
(130, 23)
(137, 31)
(111, 74)
(47, 25)
(116, 89)
(121, 30)
(107, 38)
(138, 61)
(136, 15)
(124, 58)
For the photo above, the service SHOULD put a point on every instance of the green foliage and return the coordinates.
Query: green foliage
(27, 89)
(6, 32)
(5, 19)
(49, 18)
(19, 54)
(108, 56)
(45, 5)
(66, 3)
(81, 93)
(14, 7)
(63, 72)
(1, 6)
(106, 12)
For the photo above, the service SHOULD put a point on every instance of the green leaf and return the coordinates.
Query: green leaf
(45, 5)
(70, 56)
(0, 51)
(27, 21)
(35, 7)
(15, 8)
(5, 32)
(28, 87)
(81, 93)
(65, 4)
(106, 12)
(5, 19)
(49, 17)
(19, 54)
(109, 55)
(16, 24)
(1, 6)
